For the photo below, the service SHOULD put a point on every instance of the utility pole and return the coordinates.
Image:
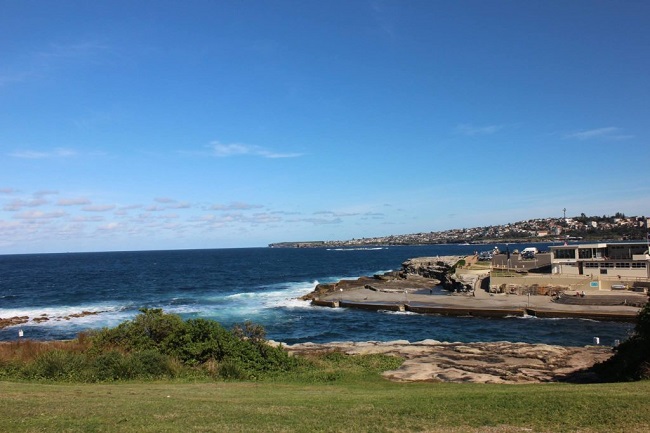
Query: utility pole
(564, 210)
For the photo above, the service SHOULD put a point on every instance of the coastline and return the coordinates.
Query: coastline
(410, 290)
(484, 362)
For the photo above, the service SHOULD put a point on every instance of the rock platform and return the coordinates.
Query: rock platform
(488, 362)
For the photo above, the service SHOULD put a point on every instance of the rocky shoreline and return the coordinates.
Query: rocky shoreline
(487, 362)
(416, 274)
(467, 294)
(19, 320)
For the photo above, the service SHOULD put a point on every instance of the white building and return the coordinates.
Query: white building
(622, 260)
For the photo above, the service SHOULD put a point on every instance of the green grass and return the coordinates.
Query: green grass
(41, 389)
(371, 404)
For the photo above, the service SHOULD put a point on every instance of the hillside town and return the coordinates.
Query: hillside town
(583, 227)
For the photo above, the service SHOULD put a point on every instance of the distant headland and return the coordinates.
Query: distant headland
(583, 227)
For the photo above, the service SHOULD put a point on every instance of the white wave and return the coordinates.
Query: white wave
(399, 313)
(357, 249)
(107, 319)
(58, 311)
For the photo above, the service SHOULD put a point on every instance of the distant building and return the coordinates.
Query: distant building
(625, 259)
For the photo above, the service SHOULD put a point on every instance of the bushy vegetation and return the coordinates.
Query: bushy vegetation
(157, 345)
(632, 358)
(152, 345)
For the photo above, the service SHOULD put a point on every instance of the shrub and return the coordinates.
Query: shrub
(232, 370)
(195, 342)
(109, 366)
(631, 360)
(152, 345)
(148, 330)
(56, 365)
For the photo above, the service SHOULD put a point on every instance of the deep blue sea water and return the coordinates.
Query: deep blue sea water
(257, 284)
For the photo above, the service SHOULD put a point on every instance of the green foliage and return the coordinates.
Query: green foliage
(157, 345)
(632, 358)
(151, 329)
(114, 365)
(56, 365)
(336, 367)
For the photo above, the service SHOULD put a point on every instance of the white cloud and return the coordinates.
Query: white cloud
(130, 207)
(98, 208)
(109, 227)
(45, 192)
(322, 221)
(88, 219)
(79, 201)
(155, 208)
(226, 150)
(55, 153)
(336, 214)
(169, 203)
(608, 133)
(19, 204)
(39, 215)
(235, 206)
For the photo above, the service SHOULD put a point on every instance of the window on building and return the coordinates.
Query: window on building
(565, 254)
(622, 265)
(584, 253)
(591, 265)
(639, 265)
(607, 265)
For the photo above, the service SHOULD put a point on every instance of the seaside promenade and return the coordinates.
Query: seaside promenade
(414, 294)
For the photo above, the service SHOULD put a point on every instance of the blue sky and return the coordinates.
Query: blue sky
(199, 124)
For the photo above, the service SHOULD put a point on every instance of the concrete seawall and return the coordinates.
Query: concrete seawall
(619, 316)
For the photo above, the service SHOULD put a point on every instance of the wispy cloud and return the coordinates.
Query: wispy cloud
(471, 130)
(320, 221)
(78, 201)
(169, 203)
(88, 219)
(98, 208)
(607, 133)
(235, 206)
(39, 215)
(19, 204)
(222, 150)
(82, 49)
(52, 57)
(36, 154)
(335, 214)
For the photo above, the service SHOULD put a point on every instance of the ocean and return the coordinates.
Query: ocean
(257, 284)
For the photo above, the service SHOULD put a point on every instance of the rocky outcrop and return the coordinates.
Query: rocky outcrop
(19, 320)
(12, 321)
(415, 274)
(496, 362)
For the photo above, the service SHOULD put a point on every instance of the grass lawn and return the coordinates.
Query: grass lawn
(343, 406)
